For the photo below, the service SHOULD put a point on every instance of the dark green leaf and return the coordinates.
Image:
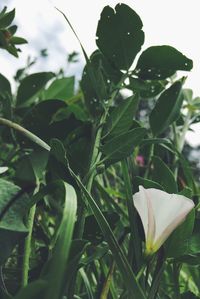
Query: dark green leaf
(34, 290)
(30, 86)
(167, 108)
(145, 88)
(119, 35)
(163, 175)
(39, 120)
(16, 40)
(13, 206)
(189, 295)
(7, 18)
(92, 231)
(122, 146)
(94, 84)
(121, 118)
(4, 85)
(161, 62)
(129, 278)
(137, 181)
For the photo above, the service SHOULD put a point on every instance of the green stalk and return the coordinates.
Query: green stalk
(25, 132)
(134, 245)
(151, 153)
(180, 140)
(107, 283)
(176, 271)
(27, 247)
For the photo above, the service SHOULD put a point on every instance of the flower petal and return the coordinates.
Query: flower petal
(160, 214)
(167, 208)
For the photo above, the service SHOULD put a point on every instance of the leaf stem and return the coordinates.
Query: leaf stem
(107, 283)
(25, 132)
(27, 247)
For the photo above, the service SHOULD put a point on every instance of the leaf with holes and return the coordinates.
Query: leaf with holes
(119, 35)
(161, 62)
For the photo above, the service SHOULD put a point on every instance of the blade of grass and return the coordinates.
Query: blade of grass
(61, 252)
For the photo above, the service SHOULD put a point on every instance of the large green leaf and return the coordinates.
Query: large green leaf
(122, 146)
(161, 62)
(58, 264)
(61, 89)
(167, 108)
(31, 85)
(121, 118)
(13, 206)
(39, 120)
(129, 278)
(163, 175)
(120, 35)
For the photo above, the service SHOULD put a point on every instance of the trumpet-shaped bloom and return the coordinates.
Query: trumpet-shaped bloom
(160, 213)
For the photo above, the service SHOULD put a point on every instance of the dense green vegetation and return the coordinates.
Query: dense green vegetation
(72, 159)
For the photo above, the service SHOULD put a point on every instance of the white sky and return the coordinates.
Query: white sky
(172, 22)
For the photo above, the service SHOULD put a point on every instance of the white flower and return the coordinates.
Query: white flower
(160, 213)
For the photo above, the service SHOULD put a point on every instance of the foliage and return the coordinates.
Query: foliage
(72, 158)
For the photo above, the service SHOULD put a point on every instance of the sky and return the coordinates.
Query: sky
(172, 22)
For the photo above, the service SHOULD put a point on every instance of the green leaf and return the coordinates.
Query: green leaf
(94, 84)
(122, 146)
(189, 295)
(92, 231)
(30, 86)
(129, 278)
(161, 62)
(7, 18)
(59, 260)
(163, 175)
(145, 88)
(167, 108)
(121, 118)
(13, 206)
(16, 40)
(137, 181)
(155, 141)
(119, 35)
(61, 89)
(4, 85)
(34, 290)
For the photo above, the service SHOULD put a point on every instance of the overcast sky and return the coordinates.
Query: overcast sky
(172, 22)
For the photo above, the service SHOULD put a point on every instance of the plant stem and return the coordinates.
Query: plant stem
(134, 245)
(151, 153)
(176, 270)
(27, 247)
(106, 286)
(25, 132)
